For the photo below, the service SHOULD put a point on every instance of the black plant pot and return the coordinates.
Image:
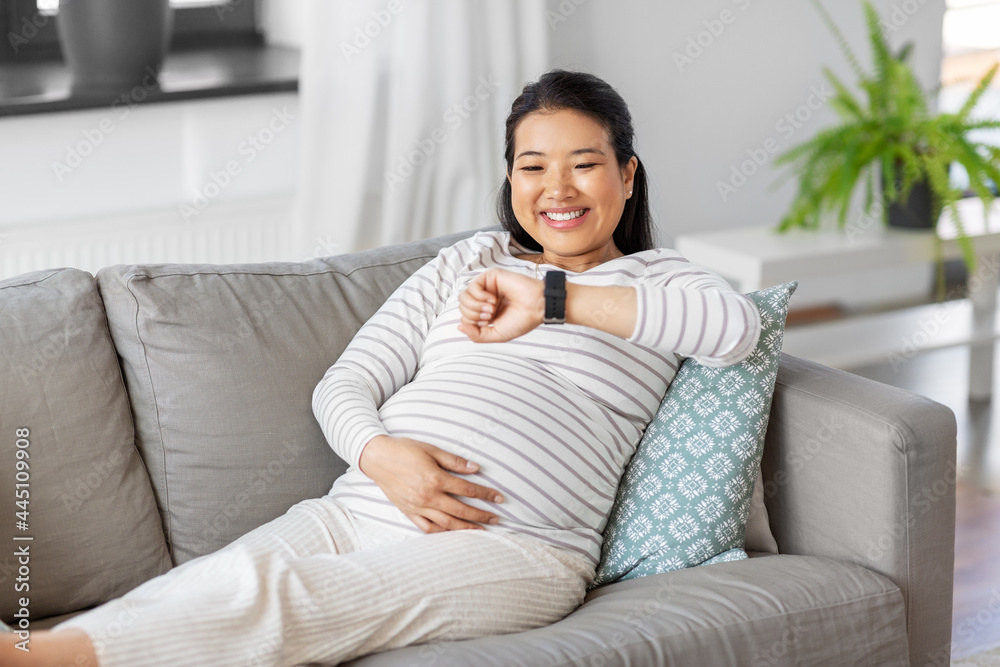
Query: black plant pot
(916, 211)
(110, 46)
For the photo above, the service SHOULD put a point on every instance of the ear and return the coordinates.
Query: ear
(628, 172)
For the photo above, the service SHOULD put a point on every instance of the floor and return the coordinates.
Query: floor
(943, 375)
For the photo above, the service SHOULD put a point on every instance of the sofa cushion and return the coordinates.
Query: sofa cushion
(220, 364)
(685, 497)
(87, 501)
(770, 610)
(758, 533)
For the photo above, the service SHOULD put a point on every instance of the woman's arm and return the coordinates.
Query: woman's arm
(522, 307)
(696, 315)
(380, 359)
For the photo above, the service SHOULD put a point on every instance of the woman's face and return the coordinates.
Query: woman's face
(567, 189)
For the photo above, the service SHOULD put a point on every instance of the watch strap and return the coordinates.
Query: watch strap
(555, 297)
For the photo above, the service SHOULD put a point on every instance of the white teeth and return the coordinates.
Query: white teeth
(566, 216)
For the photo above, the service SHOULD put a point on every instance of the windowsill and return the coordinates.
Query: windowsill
(44, 87)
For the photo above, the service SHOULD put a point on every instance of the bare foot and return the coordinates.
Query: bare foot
(45, 648)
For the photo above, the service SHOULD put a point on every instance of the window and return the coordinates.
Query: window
(971, 47)
(29, 31)
(971, 39)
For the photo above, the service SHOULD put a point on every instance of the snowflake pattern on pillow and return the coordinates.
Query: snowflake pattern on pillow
(684, 498)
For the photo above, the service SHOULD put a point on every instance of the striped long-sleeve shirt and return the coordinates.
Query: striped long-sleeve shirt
(552, 417)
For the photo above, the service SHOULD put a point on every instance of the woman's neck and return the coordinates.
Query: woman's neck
(582, 263)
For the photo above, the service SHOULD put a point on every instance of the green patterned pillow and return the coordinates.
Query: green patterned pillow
(684, 498)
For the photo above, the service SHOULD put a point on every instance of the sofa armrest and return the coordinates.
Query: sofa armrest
(863, 472)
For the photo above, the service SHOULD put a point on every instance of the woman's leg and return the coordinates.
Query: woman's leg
(211, 601)
(439, 587)
(262, 601)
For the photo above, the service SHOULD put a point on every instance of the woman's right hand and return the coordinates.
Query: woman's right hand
(414, 477)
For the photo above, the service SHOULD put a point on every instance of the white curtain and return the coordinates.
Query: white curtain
(403, 105)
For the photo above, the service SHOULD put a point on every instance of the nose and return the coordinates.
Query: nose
(558, 184)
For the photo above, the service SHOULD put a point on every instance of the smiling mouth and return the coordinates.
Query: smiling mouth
(565, 217)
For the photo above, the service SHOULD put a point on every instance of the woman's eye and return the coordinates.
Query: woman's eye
(586, 165)
(531, 168)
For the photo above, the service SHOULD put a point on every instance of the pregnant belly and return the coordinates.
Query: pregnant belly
(555, 461)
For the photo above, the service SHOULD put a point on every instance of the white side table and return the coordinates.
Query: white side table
(752, 258)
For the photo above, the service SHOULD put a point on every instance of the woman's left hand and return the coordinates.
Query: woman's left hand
(500, 305)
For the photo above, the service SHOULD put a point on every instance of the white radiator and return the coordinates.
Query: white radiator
(250, 231)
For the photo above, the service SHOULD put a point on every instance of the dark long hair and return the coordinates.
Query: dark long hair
(559, 89)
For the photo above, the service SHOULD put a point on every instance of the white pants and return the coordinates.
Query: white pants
(320, 585)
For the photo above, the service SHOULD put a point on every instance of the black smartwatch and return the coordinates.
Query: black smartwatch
(555, 297)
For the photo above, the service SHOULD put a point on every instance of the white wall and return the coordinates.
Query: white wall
(696, 120)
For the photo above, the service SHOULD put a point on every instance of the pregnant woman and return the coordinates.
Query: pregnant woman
(487, 411)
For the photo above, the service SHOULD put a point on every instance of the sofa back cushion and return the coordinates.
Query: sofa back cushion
(81, 524)
(220, 364)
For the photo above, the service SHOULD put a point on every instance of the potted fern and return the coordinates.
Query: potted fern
(890, 142)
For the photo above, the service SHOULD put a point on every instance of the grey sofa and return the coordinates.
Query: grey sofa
(166, 411)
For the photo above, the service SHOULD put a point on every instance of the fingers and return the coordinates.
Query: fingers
(456, 486)
(448, 520)
(476, 304)
(425, 525)
(462, 487)
(477, 289)
(480, 334)
(451, 514)
(438, 507)
(475, 315)
(471, 331)
(450, 461)
(463, 512)
(435, 521)
(418, 479)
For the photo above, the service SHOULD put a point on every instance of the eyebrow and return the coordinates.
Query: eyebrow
(580, 151)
